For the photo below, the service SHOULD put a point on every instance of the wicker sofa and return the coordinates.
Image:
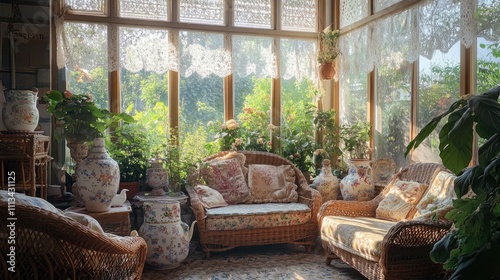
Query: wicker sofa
(391, 249)
(50, 245)
(246, 224)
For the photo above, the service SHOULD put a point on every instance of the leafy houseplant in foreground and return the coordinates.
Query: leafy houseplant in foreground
(471, 249)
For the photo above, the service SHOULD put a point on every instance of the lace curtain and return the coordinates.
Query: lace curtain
(419, 31)
(85, 46)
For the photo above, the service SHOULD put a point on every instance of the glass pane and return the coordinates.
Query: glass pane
(392, 113)
(439, 86)
(144, 83)
(252, 88)
(298, 15)
(202, 11)
(353, 98)
(145, 9)
(86, 57)
(352, 11)
(488, 46)
(382, 4)
(252, 13)
(201, 98)
(86, 5)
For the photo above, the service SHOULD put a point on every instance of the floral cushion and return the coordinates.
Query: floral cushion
(439, 195)
(226, 176)
(22, 199)
(209, 197)
(269, 183)
(400, 200)
(248, 216)
(360, 236)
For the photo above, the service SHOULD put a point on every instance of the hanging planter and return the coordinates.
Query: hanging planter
(326, 71)
(329, 50)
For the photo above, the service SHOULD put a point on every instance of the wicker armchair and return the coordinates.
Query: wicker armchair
(221, 240)
(51, 246)
(404, 251)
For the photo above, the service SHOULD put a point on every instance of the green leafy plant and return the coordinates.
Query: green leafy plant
(83, 120)
(355, 138)
(296, 145)
(329, 137)
(329, 40)
(470, 249)
(129, 146)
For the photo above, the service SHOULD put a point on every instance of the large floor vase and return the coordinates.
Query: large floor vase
(326, 183)
(166, 235)
(357, 185)
(98, 178)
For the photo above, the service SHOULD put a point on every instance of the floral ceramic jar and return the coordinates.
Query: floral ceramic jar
(357, 185)
(326, 183)
(19, 112)
(166, 235)
(97, 178)
(157, 177)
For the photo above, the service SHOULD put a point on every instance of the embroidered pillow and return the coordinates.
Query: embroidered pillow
(269, 183)
(400, 200)
(439, 195)
(227, 178)
(209, 197)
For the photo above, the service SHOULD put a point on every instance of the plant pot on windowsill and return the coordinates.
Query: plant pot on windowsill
(326, 71)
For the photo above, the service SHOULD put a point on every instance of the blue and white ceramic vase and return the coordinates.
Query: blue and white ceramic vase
(19, 113)
(326, 183)
(97, 178)
(357, 185)
(166, 235)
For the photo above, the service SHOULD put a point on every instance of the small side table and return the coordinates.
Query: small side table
(116, 220)
(21, 149)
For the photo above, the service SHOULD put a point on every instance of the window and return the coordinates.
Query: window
(241, 58)
(412, 55)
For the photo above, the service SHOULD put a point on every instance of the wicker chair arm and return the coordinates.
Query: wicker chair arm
(413, 239)
(347, 208)
(196, 206)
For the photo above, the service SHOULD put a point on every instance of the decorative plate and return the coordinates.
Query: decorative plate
(383, 170)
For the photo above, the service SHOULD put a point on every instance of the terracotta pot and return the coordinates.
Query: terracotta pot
(132, 187)
(326, 71)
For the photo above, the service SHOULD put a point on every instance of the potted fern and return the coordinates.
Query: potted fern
(470, 249)
(329, 50)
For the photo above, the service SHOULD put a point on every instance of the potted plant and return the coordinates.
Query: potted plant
(357, 184)
(329, 50)
(129, 146)
(470, 249)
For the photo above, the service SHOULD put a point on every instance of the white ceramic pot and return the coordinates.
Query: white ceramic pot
(326, 183)
(19, 112)
(166, 235)
(97, 178)
(357, 185)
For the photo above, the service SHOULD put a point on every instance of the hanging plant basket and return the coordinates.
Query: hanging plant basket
(326, 71)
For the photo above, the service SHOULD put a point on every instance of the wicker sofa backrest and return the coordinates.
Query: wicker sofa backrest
(256, 157)
(51, 246)
(423, 173)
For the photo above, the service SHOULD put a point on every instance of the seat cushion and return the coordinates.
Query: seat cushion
(360, 236)
(248, 216)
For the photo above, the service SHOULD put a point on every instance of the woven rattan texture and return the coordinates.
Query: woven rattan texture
(52, 246)
(221, 240)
